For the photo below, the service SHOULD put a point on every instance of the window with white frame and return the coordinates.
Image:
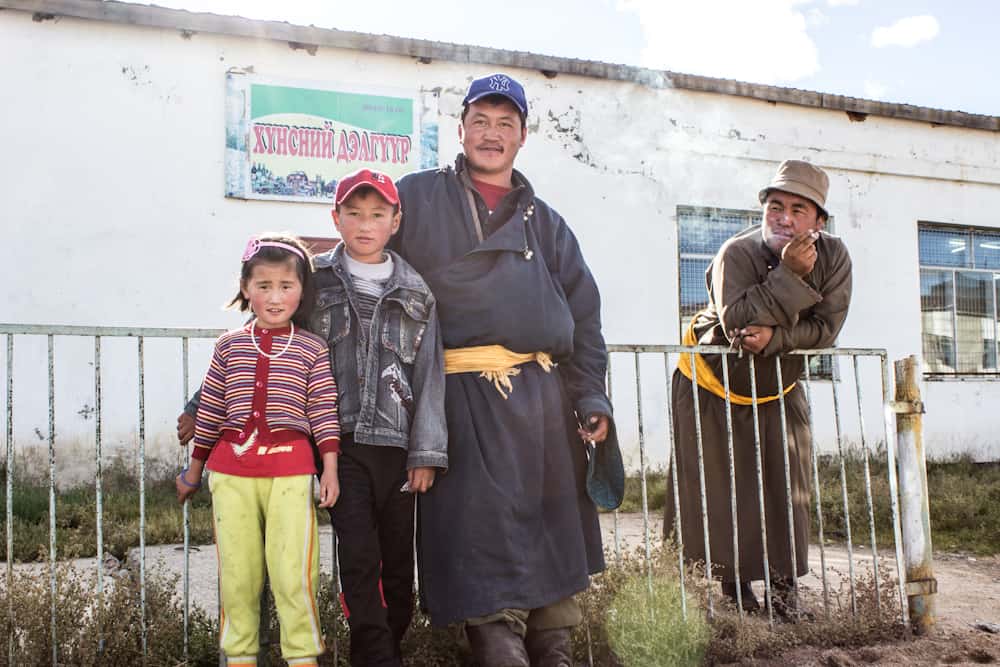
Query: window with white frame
(959, 274)
(701, 231)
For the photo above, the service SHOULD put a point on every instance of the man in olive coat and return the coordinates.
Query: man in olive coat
(781, 286)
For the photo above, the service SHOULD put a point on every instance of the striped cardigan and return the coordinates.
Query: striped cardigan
(281, 398)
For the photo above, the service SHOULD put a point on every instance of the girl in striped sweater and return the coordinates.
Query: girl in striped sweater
(269, 388)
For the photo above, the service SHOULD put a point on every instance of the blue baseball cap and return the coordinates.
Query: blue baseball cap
(498, 84)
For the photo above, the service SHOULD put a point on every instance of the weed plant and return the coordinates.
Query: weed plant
(646, 627)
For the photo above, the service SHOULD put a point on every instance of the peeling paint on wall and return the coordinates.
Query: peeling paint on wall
(137, 75)
(566, 129)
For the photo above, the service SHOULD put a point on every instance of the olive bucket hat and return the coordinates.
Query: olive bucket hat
(800, 178)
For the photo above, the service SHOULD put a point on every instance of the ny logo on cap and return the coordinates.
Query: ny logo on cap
(500, 83)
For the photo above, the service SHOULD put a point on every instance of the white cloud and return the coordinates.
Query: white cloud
(907, 32)
(875, 90)
(762, 42)
(816, 18)
(843, 3)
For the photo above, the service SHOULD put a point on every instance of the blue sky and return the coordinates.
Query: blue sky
(932, 53)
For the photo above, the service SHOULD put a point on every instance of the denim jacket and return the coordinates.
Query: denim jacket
(391, 384)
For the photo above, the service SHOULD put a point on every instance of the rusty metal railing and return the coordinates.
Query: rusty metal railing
(666, 352)
(670, 352)
(98, 334)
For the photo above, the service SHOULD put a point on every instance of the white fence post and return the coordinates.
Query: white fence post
(921, 585)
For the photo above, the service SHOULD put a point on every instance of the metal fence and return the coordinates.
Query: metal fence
(667, 352)
(98, 334)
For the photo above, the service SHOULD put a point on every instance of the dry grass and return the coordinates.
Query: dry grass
(734, 640)
(108, 631)
(964, 497)
(965, 510)
(76, 512)
(964, 501)
(730, 640)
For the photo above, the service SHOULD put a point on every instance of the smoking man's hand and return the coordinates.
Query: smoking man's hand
(799, 255)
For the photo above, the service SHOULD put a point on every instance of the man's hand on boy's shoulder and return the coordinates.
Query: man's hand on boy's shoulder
(185, 428)
(420, 479)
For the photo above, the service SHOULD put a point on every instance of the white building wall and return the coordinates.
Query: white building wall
(114, 211)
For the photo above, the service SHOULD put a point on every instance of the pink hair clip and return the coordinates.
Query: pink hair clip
(254, 246)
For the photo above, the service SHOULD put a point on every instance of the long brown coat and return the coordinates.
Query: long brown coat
(748, 285)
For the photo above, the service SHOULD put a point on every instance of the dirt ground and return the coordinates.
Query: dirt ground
(968, 593)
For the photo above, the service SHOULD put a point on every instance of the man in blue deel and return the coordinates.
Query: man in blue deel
(510, 534)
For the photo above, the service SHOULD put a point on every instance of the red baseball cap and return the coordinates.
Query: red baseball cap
(366, 178)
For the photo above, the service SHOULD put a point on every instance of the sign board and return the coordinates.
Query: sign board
(293, 141)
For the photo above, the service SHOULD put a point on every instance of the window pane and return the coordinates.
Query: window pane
(820, 368)
(974, 293)
(987, 250)
(694, 294)
(936, 321)
(703, 230)
(996, 294)
(943, 247)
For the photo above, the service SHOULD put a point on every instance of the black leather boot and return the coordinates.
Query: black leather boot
(550, 648)
(786, 601)
(496, 645)
(750, 603)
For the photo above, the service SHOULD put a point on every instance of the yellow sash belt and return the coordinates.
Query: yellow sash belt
(493, 362)
(707, 379)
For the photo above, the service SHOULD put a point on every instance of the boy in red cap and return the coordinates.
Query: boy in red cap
(380, 320)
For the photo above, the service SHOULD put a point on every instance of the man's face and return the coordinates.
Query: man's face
(786, 216)
(491, 136)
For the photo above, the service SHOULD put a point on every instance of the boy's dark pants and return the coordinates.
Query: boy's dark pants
(374, 524)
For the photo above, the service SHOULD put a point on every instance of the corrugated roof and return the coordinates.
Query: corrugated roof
(310, 37)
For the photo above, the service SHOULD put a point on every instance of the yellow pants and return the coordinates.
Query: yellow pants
(267, 522)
